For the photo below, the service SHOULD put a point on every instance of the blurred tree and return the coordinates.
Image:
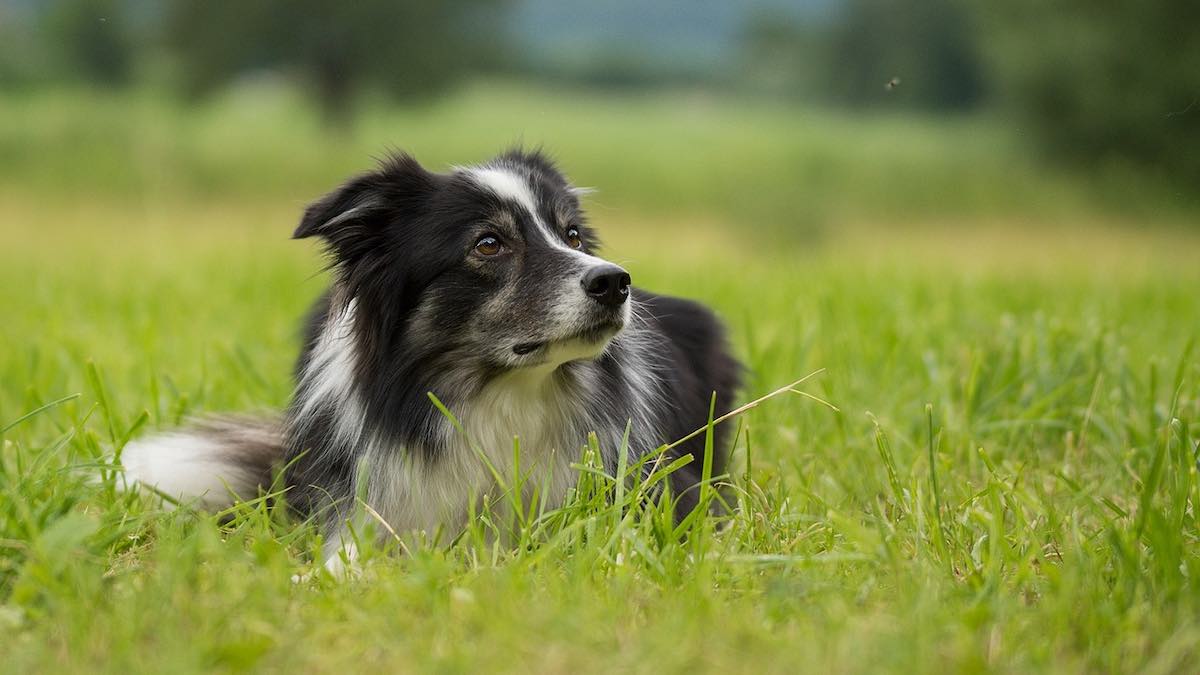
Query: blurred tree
(923, 52)
(782, 55)
(20, 56)
(925, 49)
(407, 47)
(1100, 81)
(91, 39)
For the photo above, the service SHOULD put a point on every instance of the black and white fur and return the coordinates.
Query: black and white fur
(482, 286)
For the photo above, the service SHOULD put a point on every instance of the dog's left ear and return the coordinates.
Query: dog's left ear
(352, 217)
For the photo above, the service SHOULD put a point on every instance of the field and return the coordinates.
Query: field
(1008, 483)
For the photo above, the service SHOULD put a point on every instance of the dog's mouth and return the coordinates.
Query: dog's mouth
(527, 348)
(589, 336)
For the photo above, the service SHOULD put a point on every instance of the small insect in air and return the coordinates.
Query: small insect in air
(892, 84)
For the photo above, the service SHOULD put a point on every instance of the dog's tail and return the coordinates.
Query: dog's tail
(211, 464)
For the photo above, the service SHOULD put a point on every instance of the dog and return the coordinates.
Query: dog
(482, 287)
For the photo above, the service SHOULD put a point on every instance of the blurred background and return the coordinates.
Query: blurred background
(794, 118)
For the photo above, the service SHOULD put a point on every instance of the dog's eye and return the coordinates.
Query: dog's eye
(573, 239)
(488, 245)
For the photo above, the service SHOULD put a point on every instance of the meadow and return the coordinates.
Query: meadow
(1006, 480)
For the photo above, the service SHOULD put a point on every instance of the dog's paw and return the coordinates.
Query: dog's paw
(340, 564)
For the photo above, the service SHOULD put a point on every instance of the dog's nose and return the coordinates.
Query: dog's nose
(608, 284)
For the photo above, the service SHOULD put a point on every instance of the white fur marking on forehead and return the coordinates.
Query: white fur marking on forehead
(506, 184)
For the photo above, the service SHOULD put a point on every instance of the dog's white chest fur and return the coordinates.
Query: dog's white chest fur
(480, 465)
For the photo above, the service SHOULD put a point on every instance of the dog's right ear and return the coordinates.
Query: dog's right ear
(344, 206)
(351, 218)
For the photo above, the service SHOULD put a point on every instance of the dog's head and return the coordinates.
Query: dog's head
(491, 265)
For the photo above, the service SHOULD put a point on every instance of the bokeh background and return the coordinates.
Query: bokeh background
(794, 117)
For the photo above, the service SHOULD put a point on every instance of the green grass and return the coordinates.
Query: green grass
(781, 168)
(1010, 484)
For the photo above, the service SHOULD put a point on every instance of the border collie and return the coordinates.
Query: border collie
(481, 286)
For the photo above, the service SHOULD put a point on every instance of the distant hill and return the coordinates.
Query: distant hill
(673, 35)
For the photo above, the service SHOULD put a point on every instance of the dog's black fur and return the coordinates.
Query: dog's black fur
(535, 337)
